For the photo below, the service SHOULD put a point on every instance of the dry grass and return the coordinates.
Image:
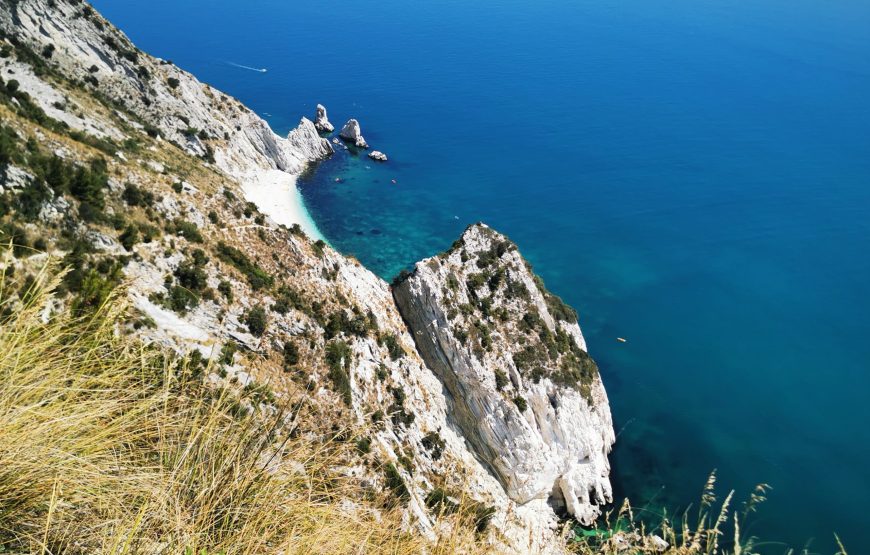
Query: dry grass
(714, 528)
(106, 447)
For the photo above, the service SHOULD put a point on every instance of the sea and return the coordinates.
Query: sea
(692, 175)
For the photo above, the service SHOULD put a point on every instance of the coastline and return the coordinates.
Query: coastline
(276, 195)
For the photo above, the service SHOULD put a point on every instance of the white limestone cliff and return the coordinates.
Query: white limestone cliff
(519, 383)
(88, 48)
(520, 463)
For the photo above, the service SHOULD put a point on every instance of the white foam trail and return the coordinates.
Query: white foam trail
(249, 68)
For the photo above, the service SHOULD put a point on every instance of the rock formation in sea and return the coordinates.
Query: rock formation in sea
(321, 121)
(378, 155)
(519, 382)
(351, 133)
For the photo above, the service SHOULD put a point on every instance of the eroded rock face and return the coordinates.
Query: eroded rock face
(378, 155)
(156, 91)
(351, 133)
(321, 121)
(520, 385)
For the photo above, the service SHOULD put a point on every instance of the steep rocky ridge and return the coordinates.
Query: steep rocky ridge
(519, 383)
(199, 262)
(202, 120)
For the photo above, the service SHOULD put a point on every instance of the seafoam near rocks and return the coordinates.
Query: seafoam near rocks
(520, 385)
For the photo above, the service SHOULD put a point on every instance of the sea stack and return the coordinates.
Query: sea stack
(321, 121)
(378, 155)
(351, 133)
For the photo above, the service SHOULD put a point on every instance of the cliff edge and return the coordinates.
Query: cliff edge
(518, 380)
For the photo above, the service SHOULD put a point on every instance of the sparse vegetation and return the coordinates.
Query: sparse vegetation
(338, 359)
(257, 277)
(113, 444)
(256, 321)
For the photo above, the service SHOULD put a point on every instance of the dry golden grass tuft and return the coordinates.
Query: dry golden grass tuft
(107, 447)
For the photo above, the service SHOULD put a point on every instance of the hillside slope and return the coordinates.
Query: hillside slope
(132, 173)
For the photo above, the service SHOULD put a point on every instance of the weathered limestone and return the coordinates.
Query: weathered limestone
(519, 383)
(351, 133)
(378, 155)
(321, 121)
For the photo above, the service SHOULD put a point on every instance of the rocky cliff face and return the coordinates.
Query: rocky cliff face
(486, 394)
(519, 383)
(201, 119)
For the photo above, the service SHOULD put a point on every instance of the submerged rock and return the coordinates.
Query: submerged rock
(321, 121)
(378, 155)
(351, 133)
(519, 383)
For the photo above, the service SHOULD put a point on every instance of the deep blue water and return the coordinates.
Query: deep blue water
(693, 176)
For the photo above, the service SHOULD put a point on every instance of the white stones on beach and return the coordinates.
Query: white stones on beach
(321, 121)
(378, 155)
(351, 133)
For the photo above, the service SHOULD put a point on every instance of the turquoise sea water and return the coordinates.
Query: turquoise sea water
(693, 176)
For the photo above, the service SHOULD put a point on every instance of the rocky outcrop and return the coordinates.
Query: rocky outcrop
(87, 48)
(305, 141)
(352, 134)
(498, 404)
(378, 155)
(519, 383)
(321, 121)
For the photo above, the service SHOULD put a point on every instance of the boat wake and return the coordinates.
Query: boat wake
(249, 68)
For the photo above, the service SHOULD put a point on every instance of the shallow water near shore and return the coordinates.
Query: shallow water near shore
(694, 177)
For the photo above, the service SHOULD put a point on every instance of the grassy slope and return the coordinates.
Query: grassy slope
(109, 447)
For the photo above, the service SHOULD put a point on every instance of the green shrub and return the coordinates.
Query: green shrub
(433, 443)
(173, 82)
(188, 230)
(290, 354)
(501, 379)
(255, 319)
(338, 359)
(257, 277)
(228, 352)
(318, 247)
(129, 237)
(226, 289)
(364, 446)
(395, 483)
(521, 403)
(440, 503)
(393, 347)
(136, 196)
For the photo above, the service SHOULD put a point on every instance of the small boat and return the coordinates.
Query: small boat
(621, 339)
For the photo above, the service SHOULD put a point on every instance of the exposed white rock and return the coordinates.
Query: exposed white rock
(516, 460)
(542, 431)
(351, 132)
(14, 178)
(321, 120)
(157, 91)
(378, 155)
